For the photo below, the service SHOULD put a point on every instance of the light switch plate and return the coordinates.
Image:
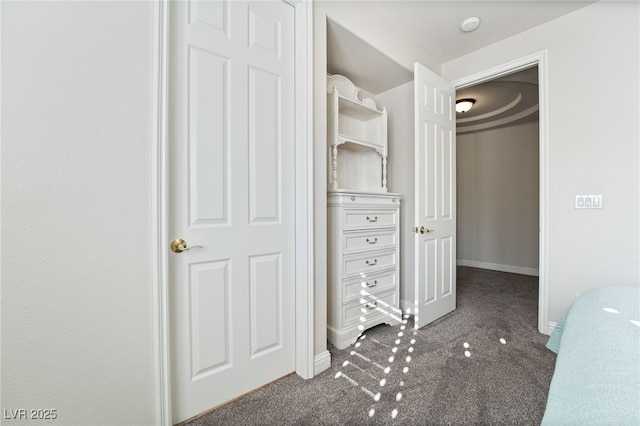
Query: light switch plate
(588, 201)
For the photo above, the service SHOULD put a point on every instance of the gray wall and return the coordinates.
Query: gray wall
(498, 199)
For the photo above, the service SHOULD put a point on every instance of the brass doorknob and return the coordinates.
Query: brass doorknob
(422, 230)
(179, 245)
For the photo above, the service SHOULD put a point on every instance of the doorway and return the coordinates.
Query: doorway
(498, 170)
(537, 62)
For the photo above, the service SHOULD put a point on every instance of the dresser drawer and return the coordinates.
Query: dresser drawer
(367, 219)
(370, 240)
(369, 307)
(371, 284)
(363, 264)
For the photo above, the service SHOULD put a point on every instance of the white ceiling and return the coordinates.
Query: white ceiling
(433, 29)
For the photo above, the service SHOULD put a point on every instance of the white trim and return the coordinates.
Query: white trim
(543, 262)
(550, 327)
(499, 71)
(539, 59)
(305, 362)
(498, 267)
(322, 362)
(162, 362)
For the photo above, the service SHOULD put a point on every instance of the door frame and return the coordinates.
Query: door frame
(539, 59)
(304, 273)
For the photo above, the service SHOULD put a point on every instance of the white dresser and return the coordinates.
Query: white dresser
(363, 258)
(363, 218)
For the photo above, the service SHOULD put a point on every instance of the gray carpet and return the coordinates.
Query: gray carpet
(483, 364)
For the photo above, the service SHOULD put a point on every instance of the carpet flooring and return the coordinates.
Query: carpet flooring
(483, 364)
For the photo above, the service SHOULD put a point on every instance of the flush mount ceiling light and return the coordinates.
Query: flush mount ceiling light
(464, 105)
(470, 24)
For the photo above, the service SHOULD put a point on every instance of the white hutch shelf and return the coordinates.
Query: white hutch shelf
(357, 133)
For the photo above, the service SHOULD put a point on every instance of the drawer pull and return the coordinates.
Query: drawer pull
(374, 241)
(370, 306)
(374, 263)
(369, 285)
(372, 219)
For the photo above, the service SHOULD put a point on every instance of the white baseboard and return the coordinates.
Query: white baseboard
(497, 267)
(321, 362)
(406, 306)
(550, 327)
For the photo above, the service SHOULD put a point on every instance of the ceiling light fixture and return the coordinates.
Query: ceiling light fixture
(470, 24)
(464, 105)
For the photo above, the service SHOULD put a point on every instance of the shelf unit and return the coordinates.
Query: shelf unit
(357, 133)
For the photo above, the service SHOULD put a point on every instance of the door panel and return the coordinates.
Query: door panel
(429, 272)
(266, 303)
(208, 138)
(210, 15)
(231, 161)
(210, 332)
(435, 187)
(264, 145)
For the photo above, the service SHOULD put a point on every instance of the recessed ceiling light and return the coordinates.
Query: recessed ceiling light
(470, 24)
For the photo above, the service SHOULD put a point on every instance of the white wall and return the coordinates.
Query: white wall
(498, 196)
(76, 207)
(593, 137)
(401, 178)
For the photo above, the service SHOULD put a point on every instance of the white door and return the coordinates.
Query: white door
(435, 197)
(231, 183)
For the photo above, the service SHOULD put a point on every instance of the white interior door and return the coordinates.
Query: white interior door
(435, 197)
(231, 180)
